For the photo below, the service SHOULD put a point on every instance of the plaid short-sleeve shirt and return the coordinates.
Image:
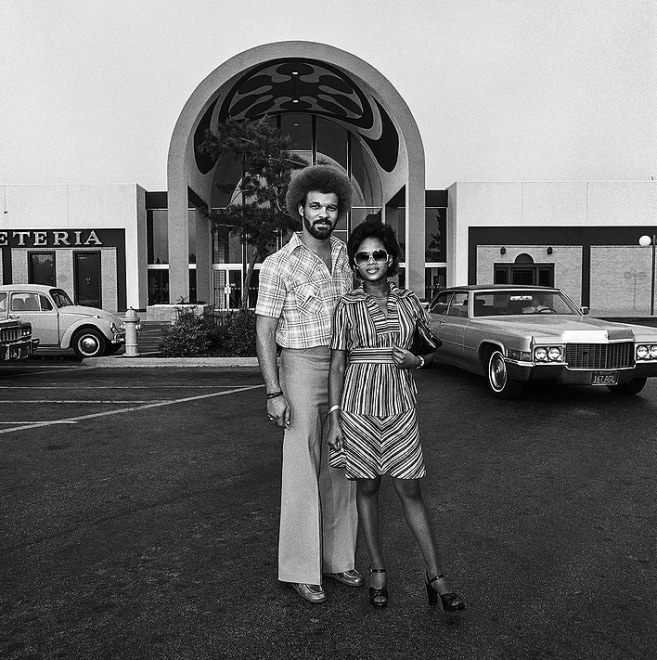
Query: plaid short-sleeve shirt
(296, 288)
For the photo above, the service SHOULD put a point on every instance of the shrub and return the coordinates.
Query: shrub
(214, 334)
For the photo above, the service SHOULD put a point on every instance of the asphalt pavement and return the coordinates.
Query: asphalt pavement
(139, 512)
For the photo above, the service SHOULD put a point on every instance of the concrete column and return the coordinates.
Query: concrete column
(178, 243)
(415, 235)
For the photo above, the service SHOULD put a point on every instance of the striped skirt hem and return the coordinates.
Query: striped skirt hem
(376, 446)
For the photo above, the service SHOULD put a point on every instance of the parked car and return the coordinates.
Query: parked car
(16, 341)
(517, 334)
(59, 323)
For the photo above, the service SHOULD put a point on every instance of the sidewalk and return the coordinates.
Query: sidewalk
(151, 334)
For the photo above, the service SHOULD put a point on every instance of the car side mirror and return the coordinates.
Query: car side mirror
(584, 310)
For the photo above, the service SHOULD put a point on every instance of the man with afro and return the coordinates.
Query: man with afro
(299, 288)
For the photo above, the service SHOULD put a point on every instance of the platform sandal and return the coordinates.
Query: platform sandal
(451, 601)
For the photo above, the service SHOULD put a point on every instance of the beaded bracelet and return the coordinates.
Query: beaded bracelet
(273, 395)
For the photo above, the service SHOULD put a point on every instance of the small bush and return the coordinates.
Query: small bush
(215, 334)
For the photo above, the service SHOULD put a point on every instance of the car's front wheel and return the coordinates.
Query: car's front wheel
(499, 382)
(89, 343)
(631, 388)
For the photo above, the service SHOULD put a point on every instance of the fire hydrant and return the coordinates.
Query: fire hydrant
(131, 325)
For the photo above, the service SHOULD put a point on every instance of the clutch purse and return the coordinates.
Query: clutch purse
(424, 341)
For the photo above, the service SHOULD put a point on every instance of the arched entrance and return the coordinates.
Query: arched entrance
(335, 107)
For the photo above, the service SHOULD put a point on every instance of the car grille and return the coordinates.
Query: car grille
(10, 334)
(600, 356)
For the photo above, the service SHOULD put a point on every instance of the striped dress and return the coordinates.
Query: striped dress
(378, 414)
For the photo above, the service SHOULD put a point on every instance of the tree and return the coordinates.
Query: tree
(256, 211)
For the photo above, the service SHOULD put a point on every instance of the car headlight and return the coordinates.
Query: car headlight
(554, 353)
(548, 354)
(646, 352)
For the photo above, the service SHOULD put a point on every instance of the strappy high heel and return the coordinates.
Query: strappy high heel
(451, 601)
(378, 597)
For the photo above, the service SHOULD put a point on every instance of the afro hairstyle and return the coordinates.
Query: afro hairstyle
(375, 229)
(318, 178)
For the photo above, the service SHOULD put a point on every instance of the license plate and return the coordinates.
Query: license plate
(607, 378)
(14, 354)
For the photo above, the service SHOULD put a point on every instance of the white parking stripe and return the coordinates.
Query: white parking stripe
(117, 387)
(129, 409)
(76, 401)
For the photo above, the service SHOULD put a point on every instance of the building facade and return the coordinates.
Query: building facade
(119, 246)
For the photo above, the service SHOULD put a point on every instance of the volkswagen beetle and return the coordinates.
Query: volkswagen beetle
(59, 323)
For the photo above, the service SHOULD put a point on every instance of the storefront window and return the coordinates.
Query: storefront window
(434, 235)
(396, 218)
(158, 286)
(299, 131)
(226, 246)
(158, 237)
(434, 280)
(191, 235)
(42, 268)
(331, 142)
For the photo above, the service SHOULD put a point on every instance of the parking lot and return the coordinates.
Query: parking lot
(140, 508)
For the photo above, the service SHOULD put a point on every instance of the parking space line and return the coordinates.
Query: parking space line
(51, 370)
(117, 387)
(76, 401)
(79, 418)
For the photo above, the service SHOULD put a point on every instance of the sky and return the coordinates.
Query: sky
(501, 90)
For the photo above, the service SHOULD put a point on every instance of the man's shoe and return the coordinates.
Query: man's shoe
(351, 578)
(313, 593)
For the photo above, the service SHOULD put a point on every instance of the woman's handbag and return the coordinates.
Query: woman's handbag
(424, 341)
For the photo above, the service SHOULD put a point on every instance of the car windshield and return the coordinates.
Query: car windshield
(60, 297)
(505, 303)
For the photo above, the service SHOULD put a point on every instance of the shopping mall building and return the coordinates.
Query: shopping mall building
(120, 246)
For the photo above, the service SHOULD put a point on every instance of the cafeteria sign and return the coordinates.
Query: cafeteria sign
(49, 238)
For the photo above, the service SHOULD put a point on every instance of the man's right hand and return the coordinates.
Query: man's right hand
(278, 410)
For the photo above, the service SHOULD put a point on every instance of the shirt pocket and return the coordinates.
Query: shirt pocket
(308, 298)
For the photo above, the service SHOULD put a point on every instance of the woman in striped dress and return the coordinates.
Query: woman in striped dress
(373, 427)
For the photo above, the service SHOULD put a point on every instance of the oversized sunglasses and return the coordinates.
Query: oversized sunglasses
(364, 257)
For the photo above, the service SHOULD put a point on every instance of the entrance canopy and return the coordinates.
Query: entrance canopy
(334, 107)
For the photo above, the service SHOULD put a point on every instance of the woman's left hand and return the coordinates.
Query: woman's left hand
(404, 359)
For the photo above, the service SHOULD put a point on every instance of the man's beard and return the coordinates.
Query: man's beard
(320, 233)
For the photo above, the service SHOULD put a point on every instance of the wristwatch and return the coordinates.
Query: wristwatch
(419, 366)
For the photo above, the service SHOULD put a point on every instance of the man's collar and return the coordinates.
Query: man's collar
(296, 242)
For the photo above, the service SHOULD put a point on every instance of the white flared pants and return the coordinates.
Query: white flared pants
(319, 521)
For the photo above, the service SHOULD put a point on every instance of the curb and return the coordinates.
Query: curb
(132, 362)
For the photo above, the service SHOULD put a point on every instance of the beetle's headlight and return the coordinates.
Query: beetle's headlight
(554, 353)
(541, 354)
(113, 328)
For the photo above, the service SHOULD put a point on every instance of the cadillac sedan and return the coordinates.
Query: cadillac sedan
(516, 334)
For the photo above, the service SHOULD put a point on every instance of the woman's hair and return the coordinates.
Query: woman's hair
(318, 178)
(375, 229)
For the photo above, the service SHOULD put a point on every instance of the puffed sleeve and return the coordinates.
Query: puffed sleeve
(419, 312)
(339, 336)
